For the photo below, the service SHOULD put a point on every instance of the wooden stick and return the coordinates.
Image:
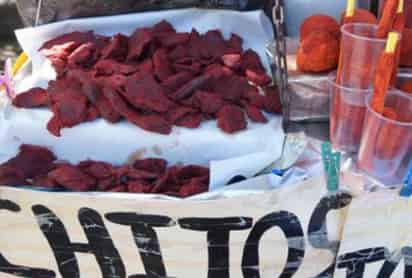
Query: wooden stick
(387, 19)
(384, 73)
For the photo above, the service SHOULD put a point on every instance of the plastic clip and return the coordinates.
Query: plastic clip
(406, 191)
(331, 166)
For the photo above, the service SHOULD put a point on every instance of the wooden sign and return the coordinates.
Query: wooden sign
(292, 231)
(377, 238)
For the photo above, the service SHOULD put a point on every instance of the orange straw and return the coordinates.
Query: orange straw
(388, 16)
(384, 73)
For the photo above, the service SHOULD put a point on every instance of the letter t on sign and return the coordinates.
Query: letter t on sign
(218, 230)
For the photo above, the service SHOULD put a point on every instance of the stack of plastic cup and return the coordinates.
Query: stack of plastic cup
(359, 55)
(347, 112)
(386, 147)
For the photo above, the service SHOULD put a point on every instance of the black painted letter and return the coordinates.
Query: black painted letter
(317, 230)
(393, 261)
(100, 244)
(355, 262)
(19, 270)
(146, 239)
(291, 227)
(218, 232)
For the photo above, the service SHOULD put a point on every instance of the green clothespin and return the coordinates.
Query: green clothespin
(326, 156)
(331, 165)
(334, 172)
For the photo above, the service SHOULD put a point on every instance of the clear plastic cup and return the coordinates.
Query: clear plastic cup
(386, 146)
(347, 113)
(359, 55)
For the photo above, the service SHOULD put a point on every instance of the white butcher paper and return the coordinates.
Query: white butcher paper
(122, 142)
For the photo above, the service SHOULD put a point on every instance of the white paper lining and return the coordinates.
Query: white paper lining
(252, 149)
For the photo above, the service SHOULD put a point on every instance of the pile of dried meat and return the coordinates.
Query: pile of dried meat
(156, 78)
(38, 166)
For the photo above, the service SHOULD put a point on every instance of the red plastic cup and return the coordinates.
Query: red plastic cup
(347, 113)
(360, 52)
(386, 146)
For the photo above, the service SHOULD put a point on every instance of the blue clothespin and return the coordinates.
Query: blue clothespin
(278, 172)
(406, 191)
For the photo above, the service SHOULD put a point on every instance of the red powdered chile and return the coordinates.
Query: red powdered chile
(318, 52)
(319, 22)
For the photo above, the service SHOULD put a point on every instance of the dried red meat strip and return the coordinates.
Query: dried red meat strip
(194, 186)
(231, 87)
(154, 123)
(54, 126)
(260, 78)
(179, 52)
(188, 64)
(209, 103)
(272, 100)
(97, 169)
(154, 165)
(146, 94)
(110, 67)
(175, 114)
(255, 114)
(117, 189)
(190, 120)
(117, 48)
(167, 181)
(146, 66)
(171, 39)
(96, 97)
(251, 60)
(232, 61)
(138, 174)
(163, 26)
(11, 176)
(44, 181)
(139, 186)
(92, 114)
(162, 67)
(231, 119)
(253, 97)
(71, 109)
(139, 40)
(235, 44)
(73, 178)
(174, 82)
(31, 160)
(35, 97)
(214, 44)
(192, 171)
(81, 55)
(218, 70)
(189, 88)
(67, 42)
(115, 81)
(143, 176)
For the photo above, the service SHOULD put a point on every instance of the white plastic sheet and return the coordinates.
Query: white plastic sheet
(121, 142)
